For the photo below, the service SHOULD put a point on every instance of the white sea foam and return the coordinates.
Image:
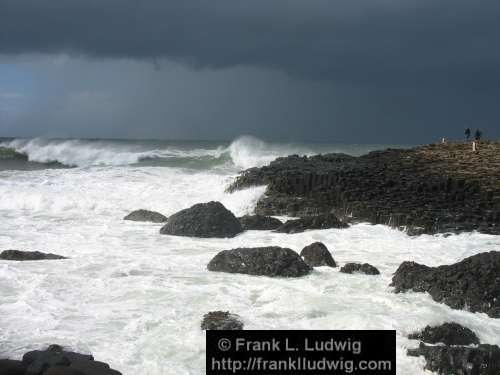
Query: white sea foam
(135, 298)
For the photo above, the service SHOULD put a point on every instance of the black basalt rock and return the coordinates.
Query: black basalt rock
(325, 221)
(472, 284)
(145, 215)
(221, 320)
(259, 222)
(365, 268)
(460, 360)
(203, 220)
(19, 255)
(448, 334)
(317, 255)
(260, 261)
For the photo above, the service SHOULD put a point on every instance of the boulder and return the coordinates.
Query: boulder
(448, 334)
(365, 268)
(145, 215)
(221, 320)
(325, 221)
(56, 360)
(261, 261)
(317, 255)
(259, 222)
(472, 284)
(204, 220)
(11, 367)
(27, 255)
(453, 360)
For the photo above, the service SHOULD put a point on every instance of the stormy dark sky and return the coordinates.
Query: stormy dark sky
(364, 71)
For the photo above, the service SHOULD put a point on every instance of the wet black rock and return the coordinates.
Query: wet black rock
(317, 255)
(325, 221)
(145, 215)
(11, 367)
(443, 188)
(221, 320)
(261, 261)
(460, 360)
(204, 220)
(55, 360)
(365, 268)
(259, 222)
(19, 255)
(472, 284)
(448, 334)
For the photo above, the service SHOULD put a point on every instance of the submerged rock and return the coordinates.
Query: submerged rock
(145, 215)
(204, 220)
(464, 360)
(19, 255)
(448, 334)
(472, 284)
(325, 221)
(55, 360)
(365, 268)
(260, 261)
(259, 222)
(317, 255)
(221, 320)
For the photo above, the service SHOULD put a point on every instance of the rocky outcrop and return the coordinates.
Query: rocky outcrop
(365, 268)
(472, 284)
(317, 255)
(221, 320)
(204, 220)
(259, 222)
(55, 360)
(464, 360)
(260, 261)
(447, 333)
(458, 351)
(427, 189)
(145, 215)
(325, 221)
(19, 255)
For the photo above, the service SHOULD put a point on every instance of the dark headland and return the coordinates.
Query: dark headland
(430, 189)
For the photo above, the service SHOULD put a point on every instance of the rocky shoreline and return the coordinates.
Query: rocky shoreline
(430, 189)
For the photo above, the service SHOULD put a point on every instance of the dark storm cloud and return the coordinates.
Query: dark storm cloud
(354, 41)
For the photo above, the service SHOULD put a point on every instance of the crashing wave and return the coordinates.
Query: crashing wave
(242, 153)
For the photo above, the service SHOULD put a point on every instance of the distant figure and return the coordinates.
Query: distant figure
(478, 134)
(467, 134)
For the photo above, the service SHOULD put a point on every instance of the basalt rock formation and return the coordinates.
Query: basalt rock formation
(221, 320)
(260, 261)
(259, 222)
(322, 221)
(20, 255)
(55, 360)
(365, 268)
(447, 333)
(427, 189)
(472, 284)
(317, 255)
(203, 220)
(145, 215)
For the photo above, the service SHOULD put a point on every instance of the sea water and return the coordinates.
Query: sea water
(135, 298)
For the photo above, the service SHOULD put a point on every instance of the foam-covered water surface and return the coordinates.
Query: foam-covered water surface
(135, 298)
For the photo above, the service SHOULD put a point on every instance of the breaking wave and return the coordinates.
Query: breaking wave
(242, 153)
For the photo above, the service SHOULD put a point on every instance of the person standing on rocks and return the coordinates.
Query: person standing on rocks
(478, 135)
(467, 134)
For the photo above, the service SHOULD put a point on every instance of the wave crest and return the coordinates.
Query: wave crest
(244, 152)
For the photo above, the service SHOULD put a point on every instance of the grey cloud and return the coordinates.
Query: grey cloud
(397, 42)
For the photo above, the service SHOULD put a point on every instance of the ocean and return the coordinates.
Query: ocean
(135, 298)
